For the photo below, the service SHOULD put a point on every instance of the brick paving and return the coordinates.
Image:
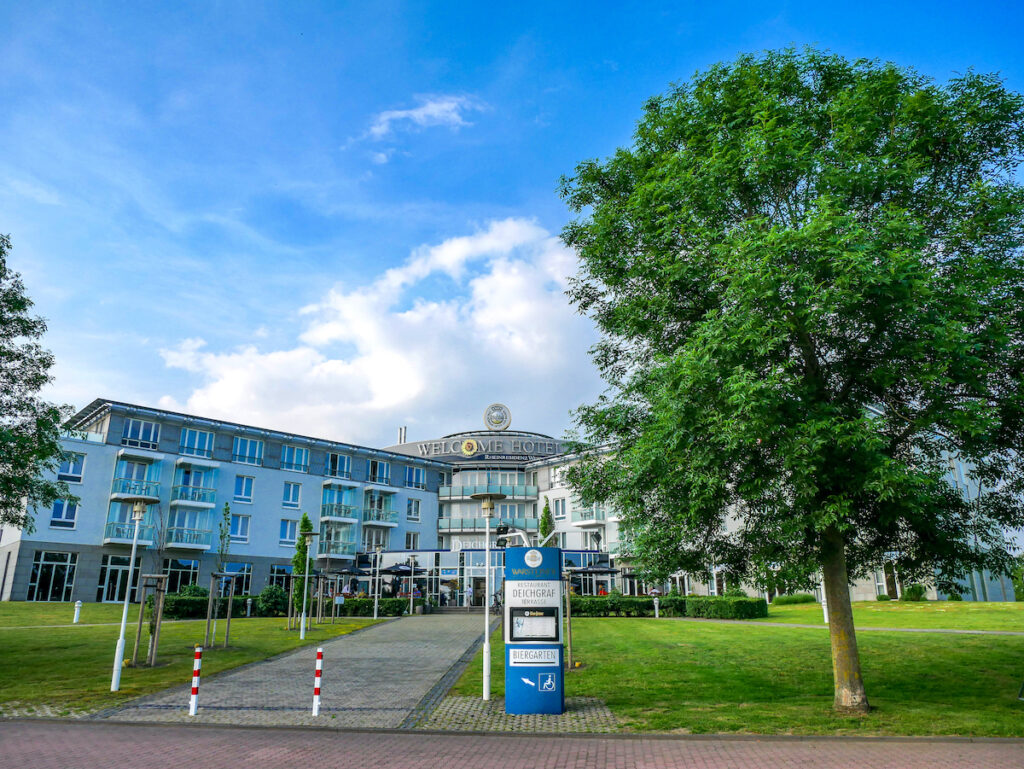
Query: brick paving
(100, 745)
(472, 714)
(374, 678)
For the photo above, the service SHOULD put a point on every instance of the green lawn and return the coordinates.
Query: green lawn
(689, 677)
(24, 613)
(956, 615)
(70, 667)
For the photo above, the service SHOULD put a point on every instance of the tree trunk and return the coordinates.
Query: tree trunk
(849, 685)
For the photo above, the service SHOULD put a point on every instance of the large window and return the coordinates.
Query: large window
(280, 574)
(415, 477)
(510, 511)
(240, 527)
(379, 472)
(338, 466)
(196, 443)
(180, 573)
(558, 508)
(248, 451)
(243, 488)
(412, 540)
(113, 582)
(71, 468)
(53, 576)
(292, 492)
(63, 514)
(412, 510)
(289, 531)
(243, 582)
(374, 536)
(140, 434)
(295, 458)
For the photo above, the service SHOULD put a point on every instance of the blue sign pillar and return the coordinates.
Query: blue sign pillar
(534, 677)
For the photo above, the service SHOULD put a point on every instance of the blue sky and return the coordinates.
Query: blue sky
(340, 218)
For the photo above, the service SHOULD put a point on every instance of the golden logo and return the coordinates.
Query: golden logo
(470, 447)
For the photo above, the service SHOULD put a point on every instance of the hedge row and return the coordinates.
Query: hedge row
(194, 607)
(791, 598)
(716, 607)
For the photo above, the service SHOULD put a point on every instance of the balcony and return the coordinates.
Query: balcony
(188, 539)
(196, 496)
(195, 451)
(465, 492)
(479, 524)
(374, 517)
(298, 467)
(117, 533)
(589, 516)
(379, 478)
(247, 459)
(334, 472)
(340, 512)
(129, 488)
(335, 549)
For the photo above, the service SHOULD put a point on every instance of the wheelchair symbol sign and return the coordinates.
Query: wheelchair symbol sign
(546, 682)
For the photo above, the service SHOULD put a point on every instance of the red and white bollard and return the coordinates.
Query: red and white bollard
(316, 681)
(193, 703)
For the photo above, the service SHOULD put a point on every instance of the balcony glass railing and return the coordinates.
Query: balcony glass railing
(125, 531)
(299, 467)
(344, 474)
(339, 510)
(511, 492)
(195, 451)
(381, 479)
(478, 524)
(336, 548)
(137, 488)
(247, 459)
(193, 494)
(193, 537)
(371, 515)
(588, 514)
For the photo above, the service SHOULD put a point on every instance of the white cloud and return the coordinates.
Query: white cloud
(375, 356)
(433, 110)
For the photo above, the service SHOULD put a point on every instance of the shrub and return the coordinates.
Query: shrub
(883, 597)
(193, 591)
(724, 607)
(786, 600)
(735, 592)
(194, 607)
(954, 597)
(913, 592)
(272, 601)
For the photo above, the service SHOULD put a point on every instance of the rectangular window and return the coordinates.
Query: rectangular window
(71, 468)
(338, 466)
(506, 511)
(196, 443)
(239, 528)
(412, 540)
(374, 536)
(243, 579)
(243, 488)
(558, 508)
(412, 510)
(180, 573)
(279, 575)
(289, 531)
(415, 477)
(291, 494)
(295, 458)
(63, 514)
(53, 576)
(140, 434)
(379, 472)
(248, 451)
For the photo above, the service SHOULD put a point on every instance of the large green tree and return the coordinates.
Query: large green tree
(808, 277)
(30, 427)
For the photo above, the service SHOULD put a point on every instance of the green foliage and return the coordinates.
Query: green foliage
(785, 600)
(1018, 578)
(735, 592)
(718, 607)
(223, 537)
(301, 562)
(954, 597)
(272, 601)
(177, 606)
(714, 607)
(193, 591)
(547, 521)
(30, 428)
(363, 607)
(913, 592)
(883, 597)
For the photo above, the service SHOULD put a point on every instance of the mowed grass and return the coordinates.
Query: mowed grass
(952, 615)
(69, 668)
(694, 677)
(24, 613)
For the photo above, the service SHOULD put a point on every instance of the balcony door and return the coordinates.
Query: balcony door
(114, 578)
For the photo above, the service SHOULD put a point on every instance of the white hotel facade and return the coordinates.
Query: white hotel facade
(413, 500)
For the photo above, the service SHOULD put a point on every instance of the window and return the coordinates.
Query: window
(415, 477)
(291, 494)
(289, 531)
(412, 540)
(113, 581)
(243, 581)
(338, 466)
(374, 536)
(239, 528)
(196, 443)
(279, 575)
(379, 472)
(243, 488)
(71, 468)
(294, 458)
(180, 573)
(412, 510)
(558, 508)
(510, 511)
(248, 451)
(140, 434)
(63, 514)
(53, 576)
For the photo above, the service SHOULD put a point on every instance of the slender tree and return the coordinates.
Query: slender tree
(301, 561)
(808, 276)
(547, 521)
(30, 428)
(223, 537)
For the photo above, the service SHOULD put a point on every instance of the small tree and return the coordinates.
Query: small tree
(547, 521)
(223, 537)
(301, 562)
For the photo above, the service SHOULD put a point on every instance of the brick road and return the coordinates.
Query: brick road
(101, 745)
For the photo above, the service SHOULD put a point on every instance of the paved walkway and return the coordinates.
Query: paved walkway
(84, 745)
(380, 677)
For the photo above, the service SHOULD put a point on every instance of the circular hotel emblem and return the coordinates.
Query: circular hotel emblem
(470, 447)
(497, 417)
(533, 558)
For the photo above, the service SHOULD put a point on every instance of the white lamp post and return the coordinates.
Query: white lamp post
(138, 512)
(412, 581)
(487, 506)
(376, 580)
(308, 536)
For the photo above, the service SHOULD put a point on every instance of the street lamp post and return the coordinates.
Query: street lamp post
(487, 506)
(138, 511)
(376, 581)
(412, 581)
(308, 536)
